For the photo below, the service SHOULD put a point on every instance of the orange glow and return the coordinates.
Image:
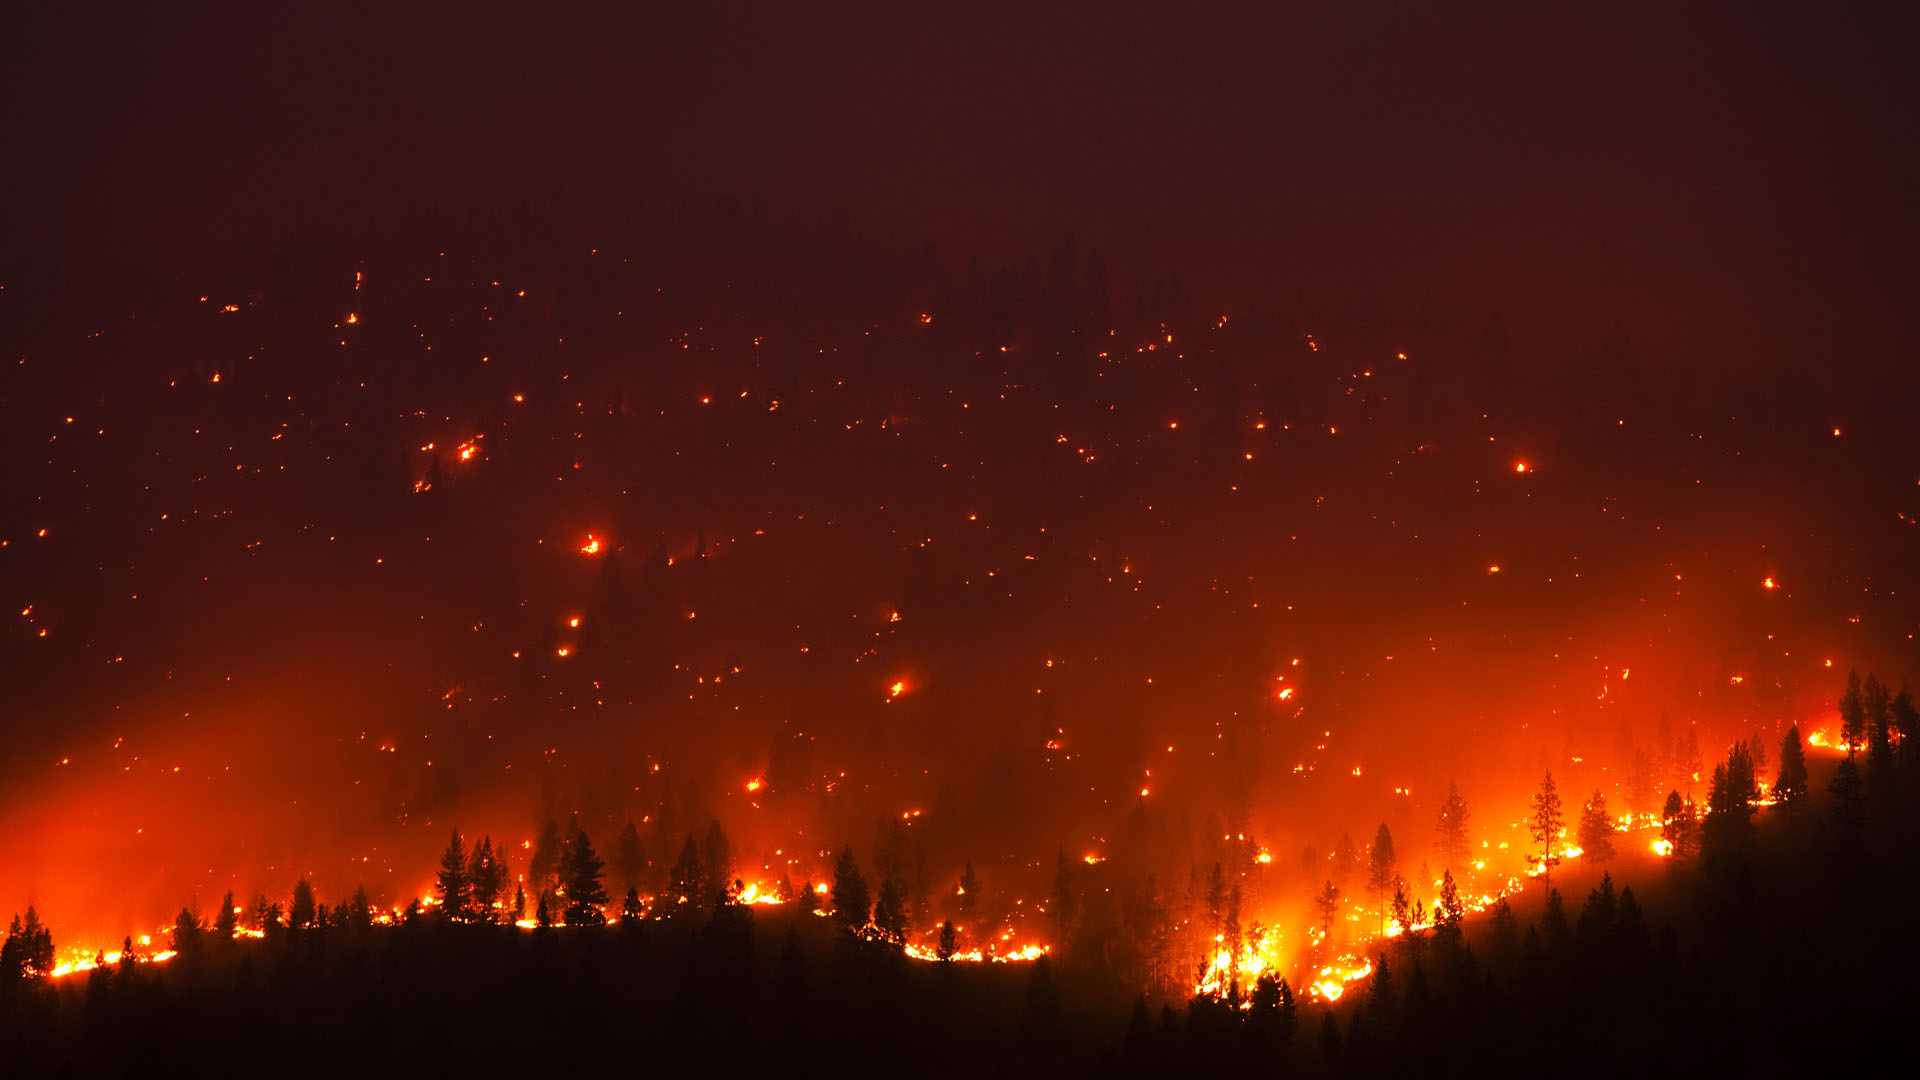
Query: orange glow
(591, 547)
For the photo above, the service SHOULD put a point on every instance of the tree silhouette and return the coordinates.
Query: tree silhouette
(586, 896)
(1451, 843)
(949, 941)
(1853, 714)
(1327, 904)
(452, 885)
(1545, 827)
(1729, 824)
(189, 936)
(303, 912)
(1596, 830)
(1449, 914)
(686, 882)
(1875, 702)
(1906, 727)
(227, 923)
(889, 913)
(629, 857)
(716, 865)
(27, 953)
(486, 879)
(1382, 871)
(1680, 828)
(967, 893)
(850, 903)
(1790, 787)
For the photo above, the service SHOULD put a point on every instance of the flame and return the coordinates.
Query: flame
(591, 547)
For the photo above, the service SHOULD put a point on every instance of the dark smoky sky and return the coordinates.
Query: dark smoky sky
(1731, 180)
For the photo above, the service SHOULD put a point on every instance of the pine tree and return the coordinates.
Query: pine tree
(189, 935)
(487, 880)
(1382, 870)
(1790, 787)
(1596, 830)
(1346, 858)
(1729, 824)
(1875, 701)
(716, 865)
(27, 953)
(357, 912)
(630, 910)
(686, 881)
(1450, 913)
(1906, 728)
(1452, 844)
(1680, 828)
(890, 914)
(850, 903)
(452, 885)
(629, 857)
(586, 896)
(1643, 786)
(949, 941)
(302, 912)
(549, 850)
(1853, 714)
(1327, 904)
(227, 923)
(1545, 827)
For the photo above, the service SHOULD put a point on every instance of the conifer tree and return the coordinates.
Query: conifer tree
(227, 923)
(1382, 870)
(967, 893)
(889, 913)
(716, 864)
(452, 885)
(487, 880)
(949, 941)
(687, 880)
(1452, 843)
(629, 857)
(586, 895)
(189, 935)
(1790, 787)
(1596, 830)
(1853, 714)
(303, 911)
(1545, 827)
(630, 910)
(850, 903)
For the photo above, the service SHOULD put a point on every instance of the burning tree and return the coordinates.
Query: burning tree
(1452, 844)
(1546, 826)
(1790, 786)
(1596, 830)
(28, 951)
(452, 885)
(1853, 714)
(585, 893)
(1680, 827)
(1382, 872)
(850, 903)
(487, 880)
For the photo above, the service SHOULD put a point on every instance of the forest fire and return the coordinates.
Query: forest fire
(502, 571)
